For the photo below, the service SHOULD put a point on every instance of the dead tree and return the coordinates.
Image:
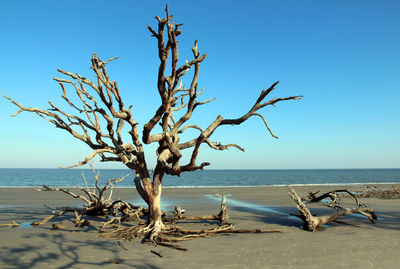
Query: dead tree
(313, 223)
(101, 102)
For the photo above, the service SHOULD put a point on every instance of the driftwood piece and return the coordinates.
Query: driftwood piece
(222, 216)
(312, 223)
(55, 226)
(156, 253)
(333, 195)
(12, 224)
(47, 219)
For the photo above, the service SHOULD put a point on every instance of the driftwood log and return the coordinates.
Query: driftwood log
(313, 223)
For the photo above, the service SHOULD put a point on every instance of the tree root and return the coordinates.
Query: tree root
(174, 233)
(168, 234)
(313, 223)
(160, 232)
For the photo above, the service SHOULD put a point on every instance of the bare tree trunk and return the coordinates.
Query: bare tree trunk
(151, 194)
(155, 217)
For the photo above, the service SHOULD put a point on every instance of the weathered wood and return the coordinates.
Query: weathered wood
(333, 195)
(47, 219)
(12, 224)
(312, 223)
(156, 253)
(96, 204)
(221, 217)
(170, 233)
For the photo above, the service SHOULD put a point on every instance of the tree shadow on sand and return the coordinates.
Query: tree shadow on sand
(58, 251)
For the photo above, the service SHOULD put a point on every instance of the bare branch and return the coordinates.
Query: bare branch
(219, 146)
(266, 124)
(89, 158)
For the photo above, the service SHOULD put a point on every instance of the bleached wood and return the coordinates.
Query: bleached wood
(312, 223)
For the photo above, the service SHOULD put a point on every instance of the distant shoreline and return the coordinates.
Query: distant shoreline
(221, 186)
(15, 177)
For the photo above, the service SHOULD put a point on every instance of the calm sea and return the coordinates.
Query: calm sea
(11, 177)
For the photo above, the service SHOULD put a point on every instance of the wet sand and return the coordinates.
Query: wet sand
(355, 244)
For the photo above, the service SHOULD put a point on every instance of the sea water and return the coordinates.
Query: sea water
(26, 177)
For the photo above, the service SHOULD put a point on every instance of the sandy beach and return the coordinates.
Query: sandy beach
(355, 244)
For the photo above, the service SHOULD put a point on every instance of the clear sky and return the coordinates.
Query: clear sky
(343, 56)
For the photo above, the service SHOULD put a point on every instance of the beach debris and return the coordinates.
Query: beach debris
(121, 245)
(333, 195)
(12, 225)
(313, 223)
(156, 253)
(115, 261)
(55, 226)
(389, 193)
(178, 215)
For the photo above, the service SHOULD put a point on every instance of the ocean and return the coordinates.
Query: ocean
(26, 177)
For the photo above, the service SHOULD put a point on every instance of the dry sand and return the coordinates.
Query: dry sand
(357, 245)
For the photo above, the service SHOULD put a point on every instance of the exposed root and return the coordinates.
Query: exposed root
(155, 231)
(128, 233)
(165, 235)
(312, 223)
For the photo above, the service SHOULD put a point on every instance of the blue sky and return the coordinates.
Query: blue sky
(343, 56)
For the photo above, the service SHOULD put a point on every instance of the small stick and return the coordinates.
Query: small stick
(156, 253)
(12, 224)
(171, 246)
(122, 246)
